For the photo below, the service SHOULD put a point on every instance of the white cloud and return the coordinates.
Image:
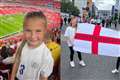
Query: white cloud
(104, 4)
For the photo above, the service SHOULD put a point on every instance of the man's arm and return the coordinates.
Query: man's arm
(43, 78)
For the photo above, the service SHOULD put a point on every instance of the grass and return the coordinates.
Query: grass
(10, 24)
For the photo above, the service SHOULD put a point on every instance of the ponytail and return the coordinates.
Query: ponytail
(19, 51)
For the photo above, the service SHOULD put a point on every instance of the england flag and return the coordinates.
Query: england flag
(94, 39)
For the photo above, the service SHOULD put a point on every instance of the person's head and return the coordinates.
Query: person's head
(73, 21)
(98, 22)
(3, 49)
(7, 44)
(34, 28)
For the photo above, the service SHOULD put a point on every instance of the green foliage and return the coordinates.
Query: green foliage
(68, 7)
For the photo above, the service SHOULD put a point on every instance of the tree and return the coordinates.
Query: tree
(68, 7)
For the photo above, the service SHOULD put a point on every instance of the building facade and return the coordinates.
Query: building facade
(104, 12)
(86, 7)
(81, 4)
(117, 7)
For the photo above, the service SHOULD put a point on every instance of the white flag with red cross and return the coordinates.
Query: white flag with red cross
(94, 39)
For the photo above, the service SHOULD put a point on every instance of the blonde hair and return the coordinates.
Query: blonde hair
(72, 18)
(38, 15)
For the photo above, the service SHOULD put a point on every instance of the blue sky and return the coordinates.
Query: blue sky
(104, 4)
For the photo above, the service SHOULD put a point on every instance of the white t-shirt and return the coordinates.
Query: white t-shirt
(70, 33)
(35, 62)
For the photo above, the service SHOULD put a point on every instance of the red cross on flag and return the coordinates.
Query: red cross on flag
(94, 39)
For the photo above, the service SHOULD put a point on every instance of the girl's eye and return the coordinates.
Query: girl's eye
(27, 30)
(38, 30)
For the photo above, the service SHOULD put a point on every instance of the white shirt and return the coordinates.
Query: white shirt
(70, 33)
(35, 62)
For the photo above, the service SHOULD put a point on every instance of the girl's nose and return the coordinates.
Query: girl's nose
(33, 35)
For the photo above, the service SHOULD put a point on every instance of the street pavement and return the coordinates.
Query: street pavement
(97, 67)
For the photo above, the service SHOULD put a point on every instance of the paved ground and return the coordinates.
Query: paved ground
(98, 67)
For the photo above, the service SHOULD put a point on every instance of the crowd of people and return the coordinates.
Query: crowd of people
(8, 48)
(105, 21)
(56, 4)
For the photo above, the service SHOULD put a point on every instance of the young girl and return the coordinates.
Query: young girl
(69, 34)
(116, 70)
(33, 59)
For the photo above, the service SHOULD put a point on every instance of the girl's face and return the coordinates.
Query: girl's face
(34, 31)
(74, 22)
